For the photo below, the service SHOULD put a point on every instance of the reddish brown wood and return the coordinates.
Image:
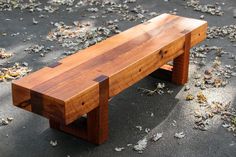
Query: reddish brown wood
(69, 89)
(95, 130)
(47, 107)
(97, 119)
(181, 64)
(85, 55)
(75, 86)
(178, 73)
(149, 34)
(164, 72)
(20, 95)
(54, 125)
(76, 129)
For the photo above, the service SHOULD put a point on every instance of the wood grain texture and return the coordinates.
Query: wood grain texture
(178, 73)
(95, 130)
(181, 63)
(68, 91)
(85, 55)
(97, 119)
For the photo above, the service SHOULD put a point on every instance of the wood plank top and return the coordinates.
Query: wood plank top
(91, 52)
(114, 60)
(125, 58)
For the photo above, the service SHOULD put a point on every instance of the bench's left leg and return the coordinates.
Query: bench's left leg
(97, 120)
(181, 64)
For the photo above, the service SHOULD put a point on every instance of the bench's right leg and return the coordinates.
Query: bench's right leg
(181, 64)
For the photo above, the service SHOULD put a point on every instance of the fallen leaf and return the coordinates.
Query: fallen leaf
(179, 135)
(119, 149)
(157, 136)
(141, 145)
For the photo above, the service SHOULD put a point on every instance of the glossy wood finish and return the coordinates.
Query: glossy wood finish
(22, 87)
(181, 63)
(68, 89)
(97, 119)
(95, 128)
(178, 73)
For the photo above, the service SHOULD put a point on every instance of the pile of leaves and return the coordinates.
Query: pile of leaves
(205, 113)
(215, 76)
(212, 78)
(202, 51)
(128, 13)
(62, 2)
(224, 31)
(78, 36)
(14, 72)
(4, 54)
(33, 5)
(213, 9)
(9, 5)
(38, 49)
(121, 9)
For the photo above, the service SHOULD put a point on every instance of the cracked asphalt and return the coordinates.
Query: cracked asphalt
(29, 135)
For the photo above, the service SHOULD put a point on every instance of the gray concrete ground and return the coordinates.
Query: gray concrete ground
(29, 135)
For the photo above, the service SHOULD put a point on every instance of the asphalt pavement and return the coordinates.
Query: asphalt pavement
(29, 135)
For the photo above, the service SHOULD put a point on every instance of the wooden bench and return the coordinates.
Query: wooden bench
(81, 84)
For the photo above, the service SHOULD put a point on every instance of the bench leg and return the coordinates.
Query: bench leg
(76, 129)
(95, 127)
(181, 64)
(178, 73)
(97, 120)
(54, 125)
